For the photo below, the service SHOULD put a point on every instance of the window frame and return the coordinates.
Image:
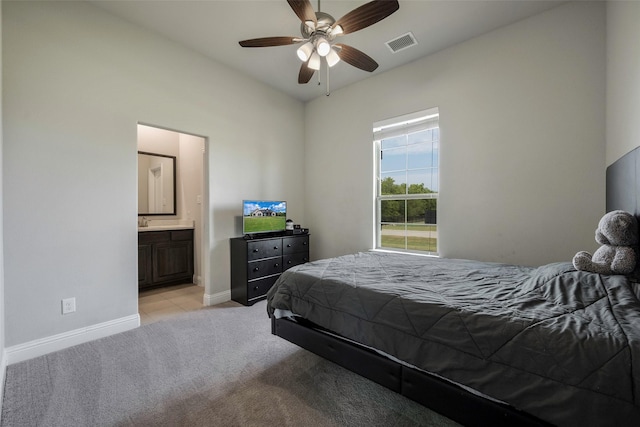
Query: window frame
(402, 125)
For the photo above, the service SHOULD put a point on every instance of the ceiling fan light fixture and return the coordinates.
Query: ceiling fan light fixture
(304, 52)
(319, 31)
(322, 46)
(332, 58)
(314, 61)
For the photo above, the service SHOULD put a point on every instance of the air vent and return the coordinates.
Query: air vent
(401, 43)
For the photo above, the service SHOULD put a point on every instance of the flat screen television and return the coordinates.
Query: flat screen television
(263, 216)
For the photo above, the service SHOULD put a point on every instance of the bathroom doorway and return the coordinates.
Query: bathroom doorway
(190, 197)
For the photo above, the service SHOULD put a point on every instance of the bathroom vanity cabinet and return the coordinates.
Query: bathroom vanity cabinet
(165, 258)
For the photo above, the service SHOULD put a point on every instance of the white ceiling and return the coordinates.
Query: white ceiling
(214, 27)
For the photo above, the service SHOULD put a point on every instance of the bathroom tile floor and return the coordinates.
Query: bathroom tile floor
(162, 303)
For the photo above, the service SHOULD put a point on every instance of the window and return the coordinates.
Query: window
(407, 182)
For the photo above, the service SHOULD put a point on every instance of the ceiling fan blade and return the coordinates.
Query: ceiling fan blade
(305, 73)
(355, 57)
(303, 9)
(367, 14)
(269, 41)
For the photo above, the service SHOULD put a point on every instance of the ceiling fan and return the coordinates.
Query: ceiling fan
(319, 31)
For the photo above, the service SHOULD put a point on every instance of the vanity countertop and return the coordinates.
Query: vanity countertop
(165, 227)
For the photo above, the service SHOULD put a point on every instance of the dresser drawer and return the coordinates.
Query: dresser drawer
(292, 245)
(258, 288)
(289, 261)
(264, 267)
(264, 249)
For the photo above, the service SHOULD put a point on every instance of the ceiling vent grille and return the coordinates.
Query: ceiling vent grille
(401, 43)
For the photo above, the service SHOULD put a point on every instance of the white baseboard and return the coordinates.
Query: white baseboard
(42, 346)
(3, 374)
(213, 299)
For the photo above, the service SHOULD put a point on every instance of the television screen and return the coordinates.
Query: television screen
(262, 216)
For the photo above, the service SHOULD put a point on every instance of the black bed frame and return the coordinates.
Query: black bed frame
(456, 403)
(446, 398)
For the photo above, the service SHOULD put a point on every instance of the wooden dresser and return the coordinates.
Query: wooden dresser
(257, 263)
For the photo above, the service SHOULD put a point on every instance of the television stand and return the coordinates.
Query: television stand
(264, 235)
(267, 235)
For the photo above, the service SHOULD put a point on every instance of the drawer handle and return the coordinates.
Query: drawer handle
(256, 269)
(275, 247)
(277, 265)
(255, 250)
(255, 288)
(306, 259)
(304, 243)
(289, 262)
(289, 245)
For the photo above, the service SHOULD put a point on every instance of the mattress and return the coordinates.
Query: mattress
(557, 343)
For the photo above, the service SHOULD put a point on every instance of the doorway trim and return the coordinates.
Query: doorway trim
(207, 220)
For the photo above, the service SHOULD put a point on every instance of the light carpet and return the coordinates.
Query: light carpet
(219, 366)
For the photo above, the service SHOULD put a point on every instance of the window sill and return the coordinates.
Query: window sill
(391, 251)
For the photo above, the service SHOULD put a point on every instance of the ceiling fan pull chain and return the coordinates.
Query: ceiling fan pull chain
(328, 91)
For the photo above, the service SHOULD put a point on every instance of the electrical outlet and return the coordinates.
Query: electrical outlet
(68, 305)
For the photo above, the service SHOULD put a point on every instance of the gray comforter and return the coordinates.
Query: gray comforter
(561, 344)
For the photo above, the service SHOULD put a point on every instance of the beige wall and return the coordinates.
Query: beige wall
(522, 142)
(191, 190)
(2, 311)
(623, 78)
(77, 81)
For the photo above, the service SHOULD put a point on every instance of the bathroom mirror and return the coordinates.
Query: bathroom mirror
(156, 184)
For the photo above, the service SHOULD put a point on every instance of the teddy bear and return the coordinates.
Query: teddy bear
(617, 232)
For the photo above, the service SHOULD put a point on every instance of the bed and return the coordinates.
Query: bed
(481, 343)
